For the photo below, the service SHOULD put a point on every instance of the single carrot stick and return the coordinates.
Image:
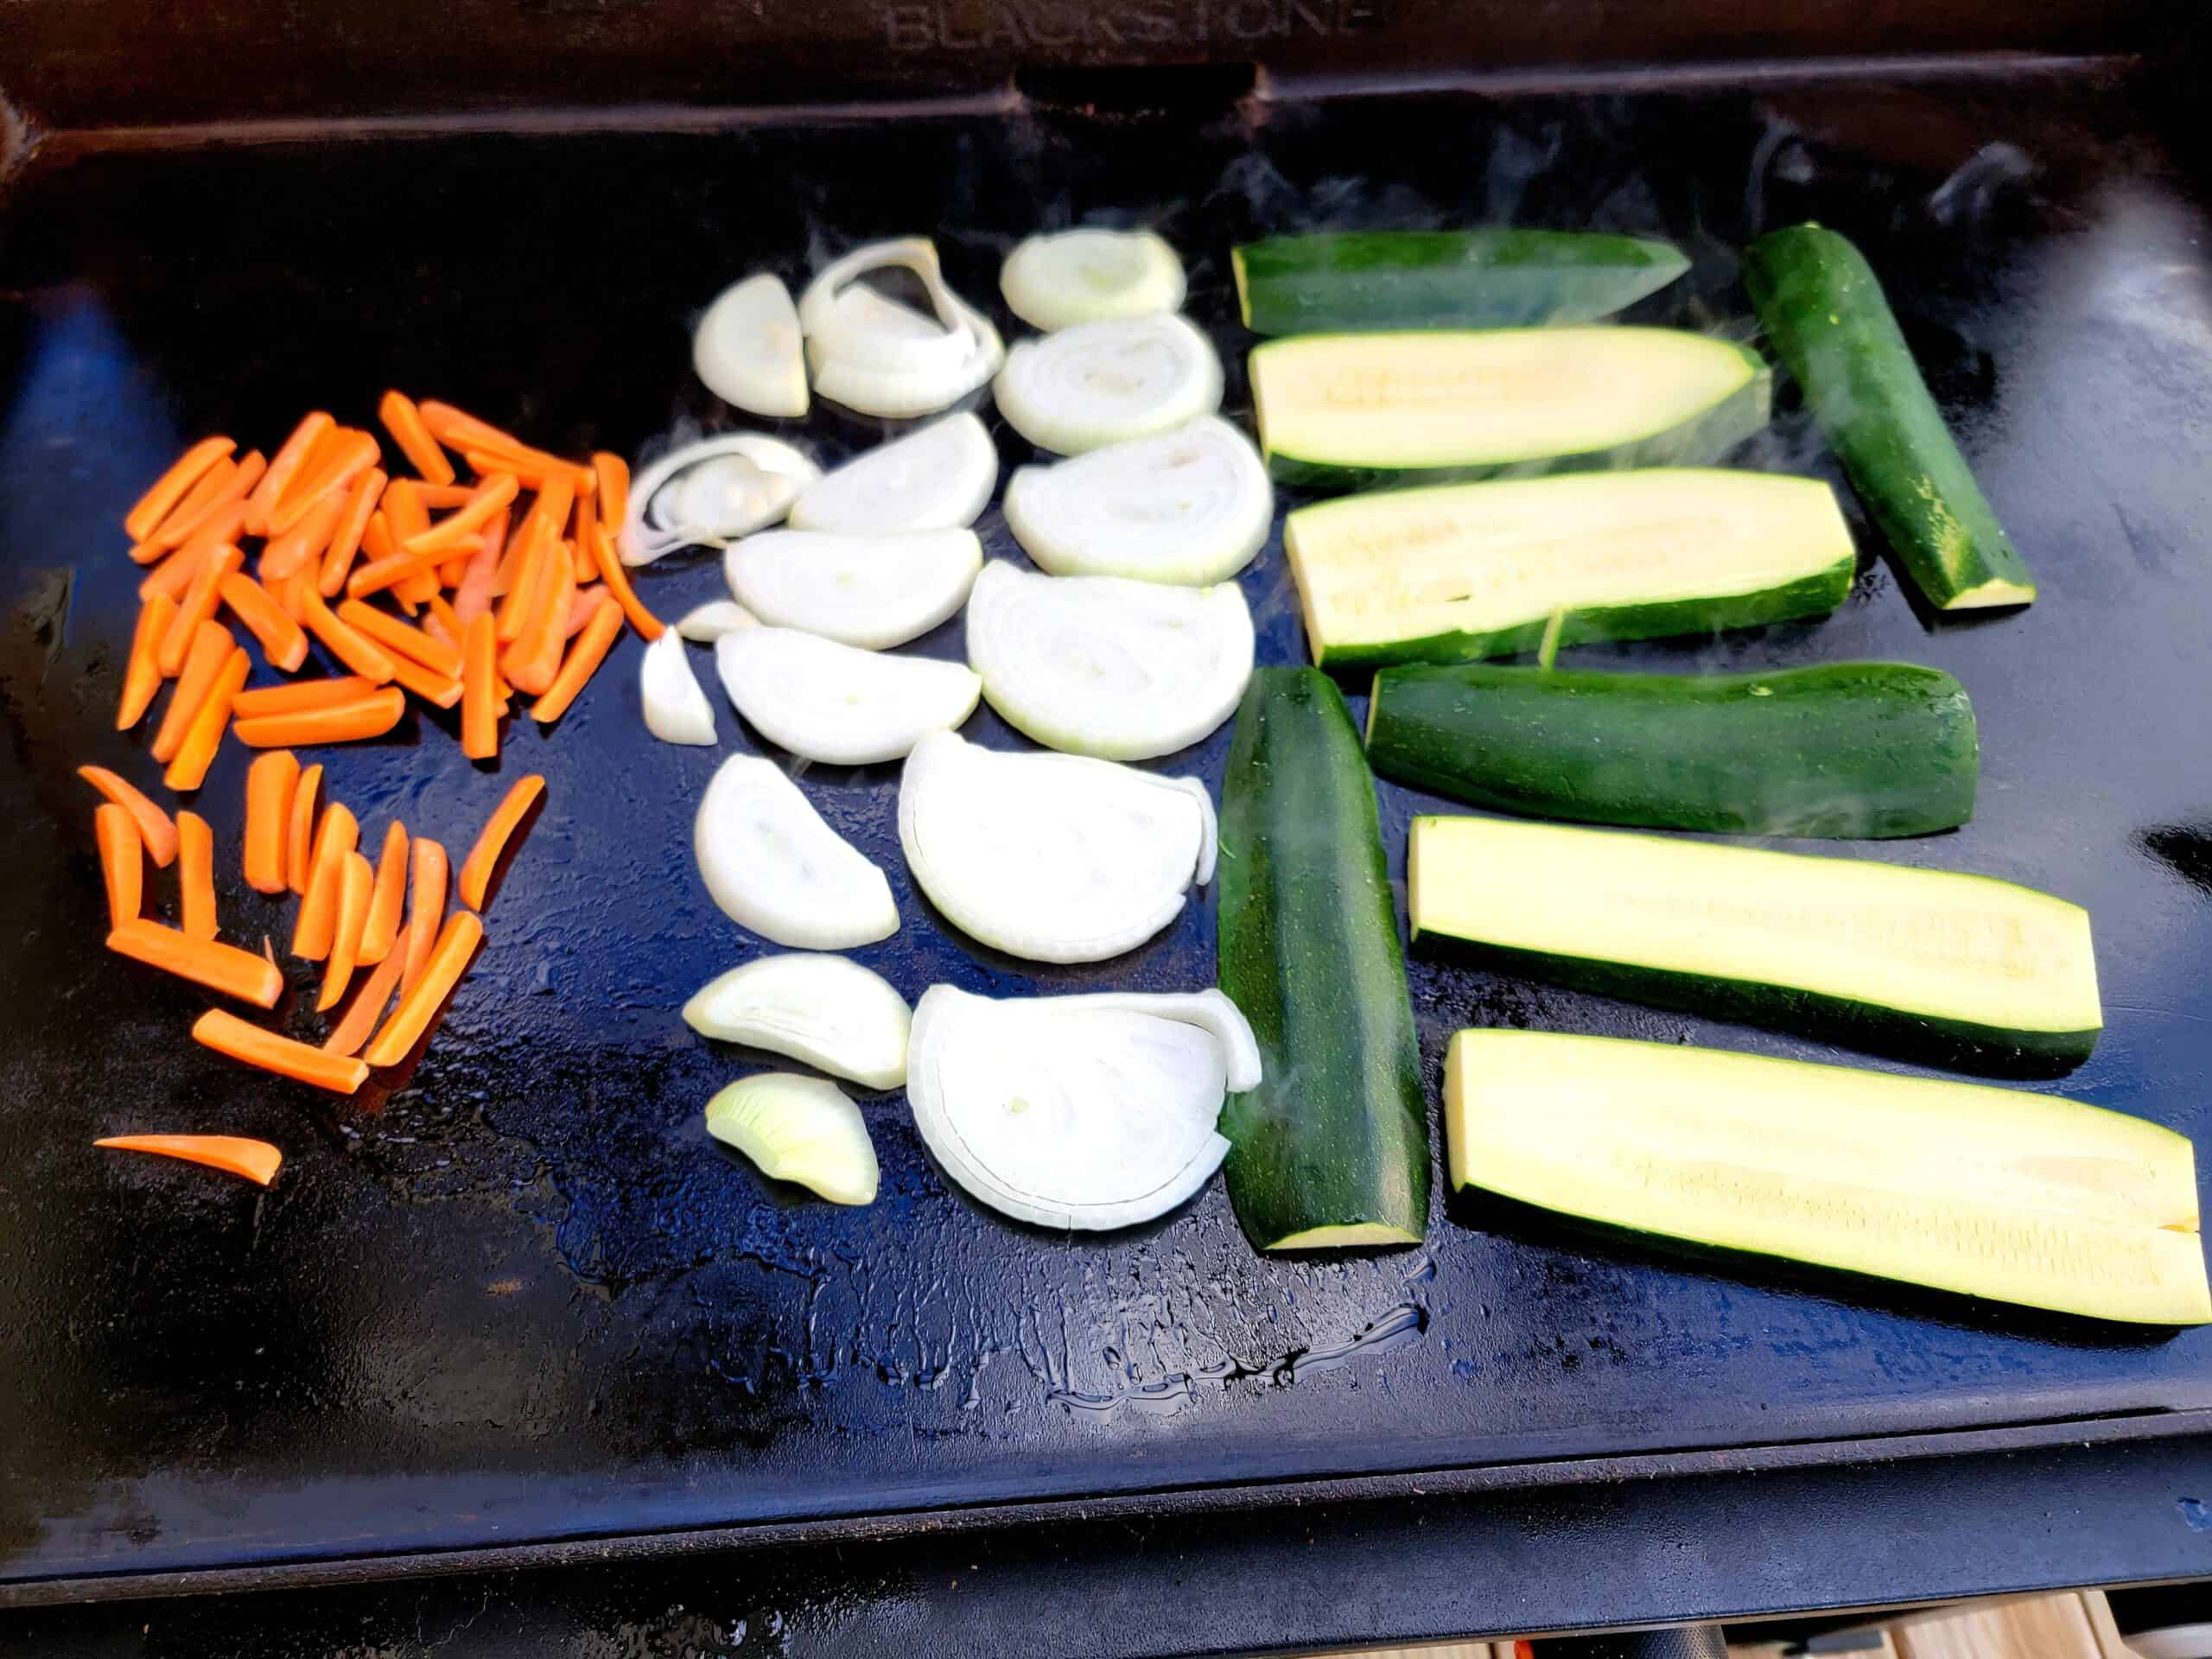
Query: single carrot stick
(212, 647)
(262, 501)
(144, 519)
(353, 890)
(282, 640)
(411, 590)
(346, 643)
(299, 696)
(228, 1035)
(142, 674)
(476, 870)
(532, 541)
(189, 770)
(448, 423)
(381, 932)
(372, 716)
(206, 491)
(648, 626)
(389, 631)
(327, 443)
(122, 862)
(583, 605)
(479, 713)
(444, 625)
(179, 528)
(301, 547)
(222, 968)
(613, 476)
(534, 468)
(334, 837)
(419, 1008)
(226, 524)
(478, 582)
(532, 662)
(583, 660)
(580, 553)
(345, 539)
(404, 509)
(154, 826)
(405, 421)
(439, 690)
(426, 909)
(444, 498)
(198, 605)
(195, 876)
(369, 1003)
(174, 575)
(355, 453)
(380, 573)
(256, 1160)
(493, 493)
(299, 828)
(269, 785)
(286, 593)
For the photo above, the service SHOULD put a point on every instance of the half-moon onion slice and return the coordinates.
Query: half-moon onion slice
(828, 1011)
(837, 704)
(868, 355)
(710, 493)
(940, 477)
(746, 348)
(1103, 382)
(870, 591)
(1060, 278)
(775, 866)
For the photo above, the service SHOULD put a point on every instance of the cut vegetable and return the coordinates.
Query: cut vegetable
(1053, 857)
(355, 887)
(876, 356)
(710, 493)
(871, 591)
(596, 638)
(154, 828)
(1339, 282)
(142, 675)
(838, 703)
(938, 478)
(1823, 308)
(380, 929)
(269, 785)
(122, 862)
(405, 421)
(222, 968)
(803, 1129)
(426, 908)
(776, 867)
(1345, 411)
(1480, 569)
(335, 837)
(1061, 278)
(283, 642)
(1960, 969)
(483, 861)
(1103, 666)
(1845, 749)
(1091, 1112)
(170, 488)
(1108, 382)
(212, 647)
(419, 1009)
(371, 715)
(299, 828)
(1331, 1149)
(2018, 1197)
(831, 1013)
(1191, 506)
(704, 624)
(195, 877)
(746, 348)
(369, 1003)
(255, 1161)
(676, 710)
(479, 704)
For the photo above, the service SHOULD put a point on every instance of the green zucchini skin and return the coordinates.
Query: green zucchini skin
(1824, 312)
(1337, 1134)
(1843, 750)
(1344, 282)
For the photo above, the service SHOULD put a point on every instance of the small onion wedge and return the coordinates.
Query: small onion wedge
(746, 348)
(775, 866)
(1100, 665)
(1089, 1112)
(831, 1013)
(1104, 383)
(1051, 857)
(938, 478)
(877, 357)
(870, 591)
(837, 704)
(1064, 277)
(796, 1129)
(704, 624)
(1192, 506)
(676, 710)
(711, 493)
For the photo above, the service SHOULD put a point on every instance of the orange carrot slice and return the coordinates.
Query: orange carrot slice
(444, 498)
(154, 826)
(584, 604)
(613, 476)
(369, 1003)
(412, 589)
(355, 454)
(439, 690)
(345, 539)
(122, 862)
(327, 443)
(371, 715)
(381, 932)
(533, 468)
(449, 424)
(531, 544)
(282, 640)
(426, 909)
(222, 968)
(262, 501)
(444, 625)
(144, 519)
(334, 837)
(346, 643)
(170, 532)
(493, 493)
(210, 648)
(198, 605)
(195, 876)
(354, 887)
(299, 828)
(172, 574)
(269, 785)
(419, 1008)
(228, 1035)
(380, 573)
(584, 658)
(532, 662)
(205, 735)
(142, 674)
(257, 1161)
(648, 626)
(480, 712)
(407, 641)
(405, 421)
(299, 696)
(178, 529)
(301, 547)
(479, 581)
(483, 859)
(404, 509)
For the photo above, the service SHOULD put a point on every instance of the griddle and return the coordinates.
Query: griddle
(515, 1306)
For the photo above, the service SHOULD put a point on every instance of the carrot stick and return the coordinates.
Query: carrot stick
(299, 696)
(179, 528)
(122, 862)
(142, 674)
(212, 647)
(256, 1160)
(345, 539)
(334, 838)
(580, 553)
(269, 785)
(205, 735)
(355, 453)
(195, 876)
(299, 828)
(529, 578)
(476, 870)
(448, 423)
(534, 659)
(407, 641)
(444, 625)
(533, 469)
(584, 658)
(198, 605)
(380, 573)
(345, 644)
(154, 826)
(613, 474)
(282, 640)
(584, 605)
(493, 493)
(478, 582)
(426, 909)
(301, 547)
(418, 1008)
(353, 890)
(381, 932)
(222, 968)
(210, 488)
(369, 1003)
(174, 575)
(405, 421)
(444, 498)
(327, 443)
(262, 501)
(410, 590)
(403, 510)
(479, 713)
(439, 690)
(171, 486)
(286, 593)
(343, 722)
(648, 626)
(228, 1035)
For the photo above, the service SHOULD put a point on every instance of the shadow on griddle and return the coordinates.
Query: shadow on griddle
(2185, 848)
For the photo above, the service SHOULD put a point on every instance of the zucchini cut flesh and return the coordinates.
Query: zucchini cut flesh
(2003, 1194)
(1957, 968)
(1346, 410)
(1473, 570)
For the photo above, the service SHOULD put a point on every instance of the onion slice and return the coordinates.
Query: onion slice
(1052, 857)
(831, 1013)
(870, 591)
(704, 624)
(710, 493)
(676, 710)
(775, 866)
(1101, 666)
(868, 355)
(746, 348)
(796, 1129)
(1089, 1112)
(1104, 383)
(1191, 506)
(1066, 278)
(938, 478)
(837, 704)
